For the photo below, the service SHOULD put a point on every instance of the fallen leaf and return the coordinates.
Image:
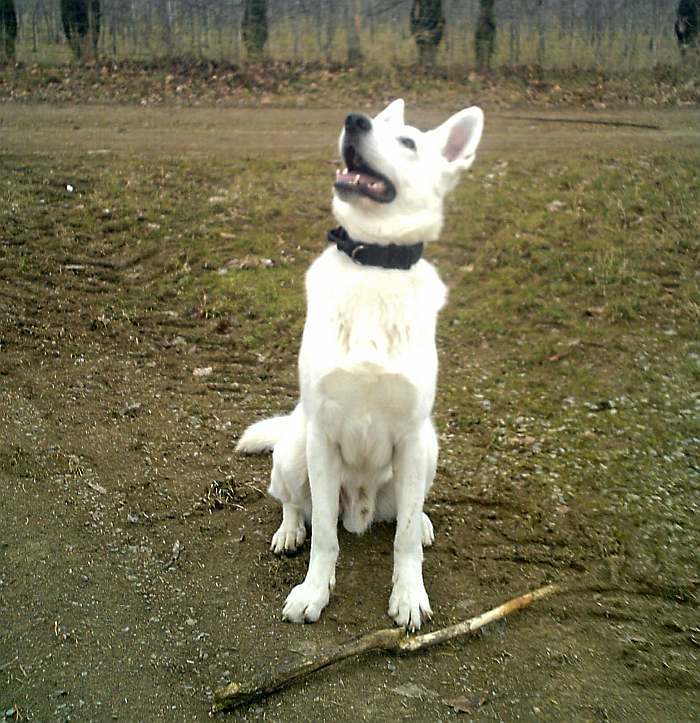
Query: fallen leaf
(247, 262)
(558, 357)
(555, 206)
(413, 690)
(467, 704)
(174, 555)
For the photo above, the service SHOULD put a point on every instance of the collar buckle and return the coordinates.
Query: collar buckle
(359, 247)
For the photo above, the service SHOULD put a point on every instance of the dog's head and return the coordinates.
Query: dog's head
(395, 178)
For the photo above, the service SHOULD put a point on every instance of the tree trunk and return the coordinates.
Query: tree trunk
(166, 30)
(427, 26)
(485, 36)
(236, 34)
(352, 28)
(8, 31)
(514, 34)
(687, 27)
(330, 28)
(255, 27)
(113, 33)
(541, 32)
(596, 31)
(34, 32)
(147, 25)
(296, 33)
(81, 25)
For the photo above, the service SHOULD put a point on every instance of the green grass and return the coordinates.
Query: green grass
(622, 235)
(619, 251)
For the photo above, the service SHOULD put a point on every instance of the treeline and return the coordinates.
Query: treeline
(609, 34)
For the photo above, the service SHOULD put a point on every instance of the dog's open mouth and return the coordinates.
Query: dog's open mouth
(359, 177)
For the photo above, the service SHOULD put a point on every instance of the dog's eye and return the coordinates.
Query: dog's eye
(408, 142)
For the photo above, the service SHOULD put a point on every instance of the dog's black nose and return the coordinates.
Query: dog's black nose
(357, 123)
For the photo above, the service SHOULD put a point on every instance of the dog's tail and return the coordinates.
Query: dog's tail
(262, 436)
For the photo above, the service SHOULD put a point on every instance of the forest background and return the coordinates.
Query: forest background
(614, 35)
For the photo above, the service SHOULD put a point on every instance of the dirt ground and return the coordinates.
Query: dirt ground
(141, 330)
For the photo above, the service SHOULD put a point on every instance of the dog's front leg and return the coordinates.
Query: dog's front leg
(409, 604)
(306, 601)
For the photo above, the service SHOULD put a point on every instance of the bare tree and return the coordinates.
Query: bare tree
(686, 26)
(329, 27)
(352, 29)
(485, 35)
(427, 26)
(255, 27)
(604, 33)
(541, 30)
(166, 26)
(514, 33)
(8, 30)
(81, 24)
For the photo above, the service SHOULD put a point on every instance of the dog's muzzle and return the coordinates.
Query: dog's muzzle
(358, 177)
(357, 124)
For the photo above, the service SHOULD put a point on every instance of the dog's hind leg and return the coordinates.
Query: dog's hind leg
(386, 499)
(290, 535)
(289, 485)
(431, 444)
(386, 512)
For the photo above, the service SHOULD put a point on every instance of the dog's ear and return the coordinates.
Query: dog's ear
(393, 113)
(459, 136)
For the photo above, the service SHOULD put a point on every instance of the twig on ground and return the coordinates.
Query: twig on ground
(174, 555)
(9, 663)
(591, 121)
(394, 640)
(75, 263)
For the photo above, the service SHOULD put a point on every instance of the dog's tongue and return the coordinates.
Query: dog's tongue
(363, 181)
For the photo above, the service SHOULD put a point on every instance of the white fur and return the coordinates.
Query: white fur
(361, 444)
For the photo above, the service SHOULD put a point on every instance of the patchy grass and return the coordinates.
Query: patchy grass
(572, 278)
(152, 305)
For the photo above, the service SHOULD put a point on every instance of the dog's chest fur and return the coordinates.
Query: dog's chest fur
(368, 362)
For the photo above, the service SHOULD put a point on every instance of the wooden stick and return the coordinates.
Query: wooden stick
(394, 640)
(590, 121)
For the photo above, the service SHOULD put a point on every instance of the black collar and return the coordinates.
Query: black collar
(390, 256)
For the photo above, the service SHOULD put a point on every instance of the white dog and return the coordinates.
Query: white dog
(361, 443)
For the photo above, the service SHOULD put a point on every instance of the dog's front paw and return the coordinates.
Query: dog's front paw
(288, 538)
(409, 604)
(305, 603)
